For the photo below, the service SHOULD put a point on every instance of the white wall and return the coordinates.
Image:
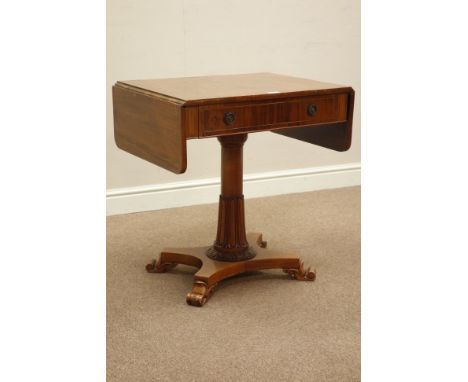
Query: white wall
(317, 39)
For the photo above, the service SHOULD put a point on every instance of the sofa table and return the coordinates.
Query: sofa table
(154, 118)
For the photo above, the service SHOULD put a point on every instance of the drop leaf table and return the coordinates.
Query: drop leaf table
(154, 118)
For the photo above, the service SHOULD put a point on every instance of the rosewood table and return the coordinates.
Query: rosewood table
(154, 118)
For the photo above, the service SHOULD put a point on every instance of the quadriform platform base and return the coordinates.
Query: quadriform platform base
(211, 272)
(233, 252)
(153, 119)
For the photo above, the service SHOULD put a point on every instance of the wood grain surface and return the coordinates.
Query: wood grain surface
(233, 88)
(334, 136)
(256, 116)
(150, 128)
(211, 272)
(154, 118)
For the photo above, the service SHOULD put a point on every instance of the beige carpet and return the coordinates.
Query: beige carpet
(258, 327)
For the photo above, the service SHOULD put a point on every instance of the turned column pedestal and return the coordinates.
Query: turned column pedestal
(233, 251)
(231, 240)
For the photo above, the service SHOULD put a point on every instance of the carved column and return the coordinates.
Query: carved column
(231, 241)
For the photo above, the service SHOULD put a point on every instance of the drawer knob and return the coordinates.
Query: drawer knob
(311, 109)
(229, 118)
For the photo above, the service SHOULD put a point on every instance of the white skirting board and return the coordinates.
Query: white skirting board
(203, 191)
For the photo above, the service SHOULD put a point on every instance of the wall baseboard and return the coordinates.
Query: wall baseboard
(203, 191)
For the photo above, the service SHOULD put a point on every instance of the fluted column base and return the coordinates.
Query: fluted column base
(231, 241)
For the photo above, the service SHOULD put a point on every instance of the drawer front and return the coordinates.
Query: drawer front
(249, 117)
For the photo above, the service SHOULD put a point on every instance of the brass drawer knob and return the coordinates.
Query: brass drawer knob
(229, 118)
(311, 109)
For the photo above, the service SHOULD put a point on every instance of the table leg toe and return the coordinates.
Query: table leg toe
(200, 293)
(160, 265)
(301, 273)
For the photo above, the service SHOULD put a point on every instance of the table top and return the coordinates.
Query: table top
(237, 87)
(154, 118)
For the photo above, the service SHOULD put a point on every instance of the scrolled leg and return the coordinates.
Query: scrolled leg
(260, 242)
(200, 293)
(301, 273)
(159, 266)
